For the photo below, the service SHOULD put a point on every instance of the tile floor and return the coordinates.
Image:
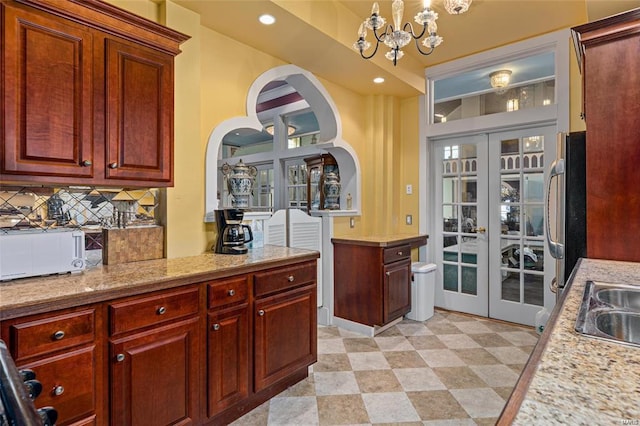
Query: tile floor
(452, 369)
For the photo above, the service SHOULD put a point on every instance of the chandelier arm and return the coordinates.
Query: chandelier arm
(372, 54)
(410, 31)
(425, 53)
(380, 39)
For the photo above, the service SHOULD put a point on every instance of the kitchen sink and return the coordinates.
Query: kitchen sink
(620, 297)
(611, 312)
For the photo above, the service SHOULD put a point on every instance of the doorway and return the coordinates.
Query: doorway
(490, 223)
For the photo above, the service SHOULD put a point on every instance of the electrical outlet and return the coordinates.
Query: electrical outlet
(409, 219)
(352, 222)
(409, 189)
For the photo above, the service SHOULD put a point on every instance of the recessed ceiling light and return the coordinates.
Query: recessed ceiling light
(378, 80)
(267, 19)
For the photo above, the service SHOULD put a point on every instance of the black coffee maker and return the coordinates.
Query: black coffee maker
(232, 234)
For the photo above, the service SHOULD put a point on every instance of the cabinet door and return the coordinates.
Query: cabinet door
(139, 112)
(48, 100)
(285, 335)
(397, 290)
(228, 358)
(155, 376)
(68, 384)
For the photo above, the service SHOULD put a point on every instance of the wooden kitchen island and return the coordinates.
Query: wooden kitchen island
(372, 280)
(195, 340)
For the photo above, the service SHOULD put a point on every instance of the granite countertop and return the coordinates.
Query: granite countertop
(105, 282)
(384, 240)
(577, 379)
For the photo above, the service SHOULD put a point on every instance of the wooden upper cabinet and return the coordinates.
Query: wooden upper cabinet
(87, 95)
(48, 104)
(609, 52)
(139, 112)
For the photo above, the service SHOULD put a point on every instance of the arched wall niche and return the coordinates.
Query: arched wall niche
(329, 140)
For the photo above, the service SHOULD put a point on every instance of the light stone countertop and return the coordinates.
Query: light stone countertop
(105, 282)
(383, 240)
(581, 380)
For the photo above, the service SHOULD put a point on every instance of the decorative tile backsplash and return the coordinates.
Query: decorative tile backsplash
(88, 208)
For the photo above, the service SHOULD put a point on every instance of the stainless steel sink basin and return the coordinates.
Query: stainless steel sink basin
(611, 312)
(623, 326)
(620, 297)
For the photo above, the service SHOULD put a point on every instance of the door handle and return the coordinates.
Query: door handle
(481, 229)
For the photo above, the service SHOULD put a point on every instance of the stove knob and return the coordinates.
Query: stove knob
(27, 374)
(49, 416)
(34, 388)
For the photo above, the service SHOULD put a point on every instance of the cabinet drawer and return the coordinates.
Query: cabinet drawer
(283, 278)
(156, 309)
(52, 333)
(68, 384)
(393, 254)
(226, 292)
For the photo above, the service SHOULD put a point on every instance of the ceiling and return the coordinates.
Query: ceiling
(317, 35)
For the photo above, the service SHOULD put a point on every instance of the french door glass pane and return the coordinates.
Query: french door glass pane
(534, 289)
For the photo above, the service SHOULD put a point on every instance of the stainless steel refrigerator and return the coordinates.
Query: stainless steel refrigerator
(567, 187)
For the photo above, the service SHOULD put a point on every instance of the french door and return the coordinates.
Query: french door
(490, 223)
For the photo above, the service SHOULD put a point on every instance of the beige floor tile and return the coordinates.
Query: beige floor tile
(441, 358)
(418, 379)
(520, 338)
(368, 361)
(389, 408)
(259, 416)
(389, 332)
(293, 411)
(472, 327)
(490, 339)
(303, 388)
(377, 381)
(411, 328)
(331, 346)
(504, 392)
(328, 332)
(405, 359)
(476, 356)
(443, 327)
(458, 341)
(510, 354)
(336, 383)
(361, 344)
(342, 410)
(479, 402)
(394, 343)
(496, 375)
(426, 342)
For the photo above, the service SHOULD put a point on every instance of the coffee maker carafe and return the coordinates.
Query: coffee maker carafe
(232, 234)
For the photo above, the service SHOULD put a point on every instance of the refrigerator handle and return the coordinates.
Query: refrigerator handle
(555, 247)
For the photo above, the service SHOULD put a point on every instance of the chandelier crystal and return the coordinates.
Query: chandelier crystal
(398, 35)
(456, 7)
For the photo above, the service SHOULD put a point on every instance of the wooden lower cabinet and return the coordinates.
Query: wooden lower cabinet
(154, 376)
(284, 335)
(397, 294)
(228, 358)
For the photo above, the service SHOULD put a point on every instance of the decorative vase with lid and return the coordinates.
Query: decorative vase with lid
(240, 183)
(331, 189)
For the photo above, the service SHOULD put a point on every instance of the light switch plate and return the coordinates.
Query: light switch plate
(409, 189)
(409, 219)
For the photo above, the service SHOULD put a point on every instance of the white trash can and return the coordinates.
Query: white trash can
(422, 291)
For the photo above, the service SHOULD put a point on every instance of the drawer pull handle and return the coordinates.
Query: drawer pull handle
(113, 165)
(86, 163)
(261, 312)
(290, 278)
(120, 357)
(216, 327)
(399, 253)
(162, 310)
(58, 335)
(232, 292)
(58, 390)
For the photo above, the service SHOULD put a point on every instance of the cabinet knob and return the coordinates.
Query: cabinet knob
(399, 253)
(161, 310)
(86, 163)
(58, 335)
(216, 327)
(261, 312)
(120, 357)
(290, 278)
(232, 292)
(113, 165)
(58, 390)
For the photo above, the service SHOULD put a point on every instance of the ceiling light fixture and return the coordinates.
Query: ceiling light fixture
(500, 80)
(456, 7)
(378, 80)
(399, 35)
(290, 130)
(266, 19)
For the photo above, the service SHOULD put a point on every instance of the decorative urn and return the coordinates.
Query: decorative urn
(331, 190)
(240, 183)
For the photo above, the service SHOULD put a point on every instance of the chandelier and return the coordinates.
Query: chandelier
(456, 7)
(500, 80)
(290, 130)
(399, 35)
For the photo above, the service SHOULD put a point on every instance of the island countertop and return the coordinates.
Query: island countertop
(574, 379)
(383, 241)
(42, 294)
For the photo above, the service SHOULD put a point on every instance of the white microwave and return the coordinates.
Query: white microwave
(28, 253)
